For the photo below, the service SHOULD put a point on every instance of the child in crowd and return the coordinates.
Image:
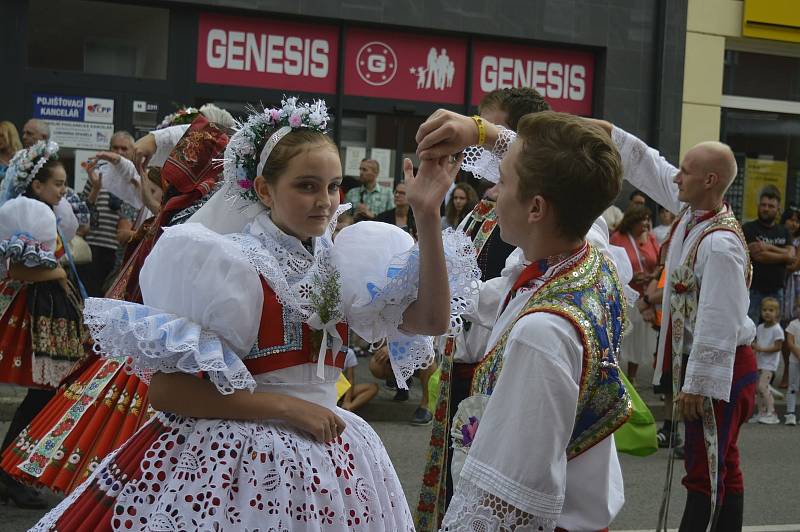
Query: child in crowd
(358, 394)
(792, 338)
(769, 339)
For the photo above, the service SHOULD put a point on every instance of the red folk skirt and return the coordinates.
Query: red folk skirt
(90, 416)
(42, 335)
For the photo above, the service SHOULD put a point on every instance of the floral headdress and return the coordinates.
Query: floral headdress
(184, 115)
(24, 166)
(249, 148)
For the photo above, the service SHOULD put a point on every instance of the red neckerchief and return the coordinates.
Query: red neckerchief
(537, 269)
(696, 220)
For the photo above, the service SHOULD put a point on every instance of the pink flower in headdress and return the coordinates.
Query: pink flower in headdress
(245, 184)
(296, 119)
(275, 115)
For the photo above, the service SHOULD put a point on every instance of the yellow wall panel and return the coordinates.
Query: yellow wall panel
(777, 20)
(717, 17)
(703, 68)
(699, 123)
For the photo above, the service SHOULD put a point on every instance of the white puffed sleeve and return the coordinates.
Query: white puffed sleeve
(166, 140)
(66, 219)
(201, 311)
(123, 181)
(379, 268)
(27, 233)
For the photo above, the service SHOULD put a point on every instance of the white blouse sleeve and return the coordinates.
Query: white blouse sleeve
(123, 181)
(379, 272)
(166, 139)
(516, 470)
(27, 233)
(485, 164)
(647, 170)
(201, 312)
(721, 310)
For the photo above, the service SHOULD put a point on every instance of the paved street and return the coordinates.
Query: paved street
(769, 454)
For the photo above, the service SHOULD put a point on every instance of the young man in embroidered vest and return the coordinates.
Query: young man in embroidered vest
(548, 393)
(461, 354)
(709, 332)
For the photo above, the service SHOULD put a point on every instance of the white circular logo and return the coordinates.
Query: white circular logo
(376, 63)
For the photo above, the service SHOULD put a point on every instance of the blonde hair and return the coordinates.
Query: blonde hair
(770, 301)
(9, 131)
(289, 147)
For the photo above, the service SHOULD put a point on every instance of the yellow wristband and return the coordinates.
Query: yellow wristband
(481, 129)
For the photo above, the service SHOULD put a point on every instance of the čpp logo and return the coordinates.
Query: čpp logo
(376, 63)
(98, 108)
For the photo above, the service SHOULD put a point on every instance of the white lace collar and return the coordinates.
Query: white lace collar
(285, 263)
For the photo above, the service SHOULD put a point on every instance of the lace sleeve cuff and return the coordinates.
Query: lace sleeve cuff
(485, 164)
(24, 249)
(474, 508)
(382, 316)
(709, 371)
(158, 341)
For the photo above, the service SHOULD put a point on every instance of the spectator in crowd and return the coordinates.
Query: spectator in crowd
(771, 250)
(462, 201)
(370, 199)
(634, 234)
(613, 216)
(9, 145)
(767, 345)
(102, 236)
(637, 197)
(665, 219)
(131, 218)
(358, 394)
(791, 285)
(792, 334)
(401, 215)
(33, 131)
(381, 368)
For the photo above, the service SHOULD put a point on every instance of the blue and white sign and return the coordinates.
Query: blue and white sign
(76, 121)
(73, 108)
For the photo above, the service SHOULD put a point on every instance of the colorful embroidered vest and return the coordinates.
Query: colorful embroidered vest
(724, 221)
(284, 342)
(588, 295)
(490, 249)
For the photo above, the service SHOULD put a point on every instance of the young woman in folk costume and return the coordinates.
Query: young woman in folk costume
(242, 336)
(41, 327)
(101, 406)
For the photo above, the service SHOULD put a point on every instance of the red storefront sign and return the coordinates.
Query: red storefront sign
(266, 53)
(563, 77)
(404, 66)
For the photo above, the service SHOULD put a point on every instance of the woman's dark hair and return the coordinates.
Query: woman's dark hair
(791, 211)
(633, 215)
(43, 176)
(454, 218)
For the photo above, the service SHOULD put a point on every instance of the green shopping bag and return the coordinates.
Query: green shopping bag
(433, 390)
(638, 435)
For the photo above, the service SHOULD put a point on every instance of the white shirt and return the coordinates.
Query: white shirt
(766, 337)
(722, 323)
(519, 453)
(661, 232)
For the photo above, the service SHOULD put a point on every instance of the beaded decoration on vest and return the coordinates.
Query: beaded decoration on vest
(589, 296)
(724, 221)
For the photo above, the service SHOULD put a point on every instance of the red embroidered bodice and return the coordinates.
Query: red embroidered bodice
(283, 343)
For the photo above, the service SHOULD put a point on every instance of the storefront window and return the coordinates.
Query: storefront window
(98, 38)
(767, 148)
(774, 77)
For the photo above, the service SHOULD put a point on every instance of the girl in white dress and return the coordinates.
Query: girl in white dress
(241, 335)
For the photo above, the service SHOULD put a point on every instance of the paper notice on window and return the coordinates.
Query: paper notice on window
(384, 158)
(353, 155)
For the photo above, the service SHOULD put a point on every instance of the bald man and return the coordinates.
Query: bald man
(708, 272)
(33, 131)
